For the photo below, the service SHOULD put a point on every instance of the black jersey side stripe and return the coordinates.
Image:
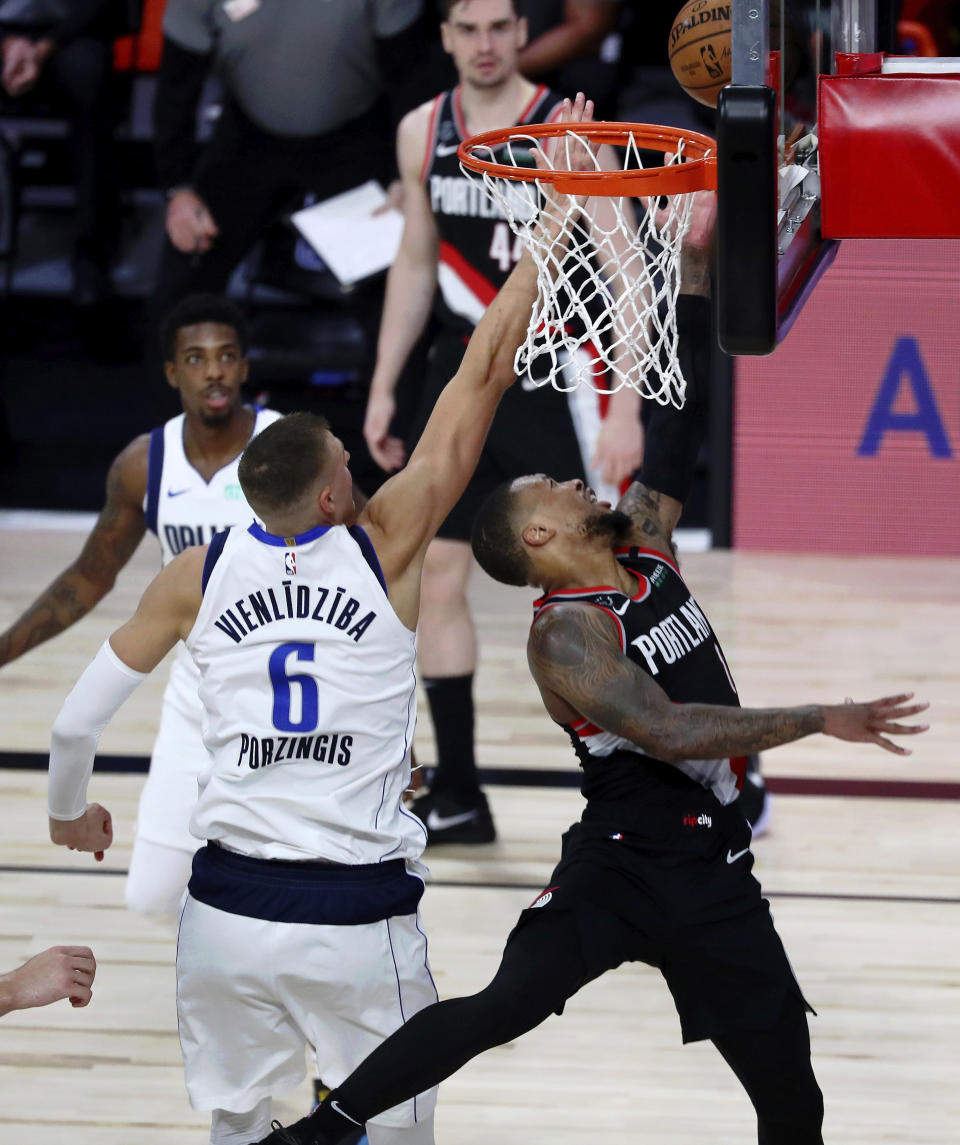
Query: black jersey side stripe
(154, 473)
(214, 550)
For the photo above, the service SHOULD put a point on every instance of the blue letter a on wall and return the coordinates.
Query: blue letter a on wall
(905, 364)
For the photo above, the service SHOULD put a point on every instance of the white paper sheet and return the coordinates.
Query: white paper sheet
(346, 234)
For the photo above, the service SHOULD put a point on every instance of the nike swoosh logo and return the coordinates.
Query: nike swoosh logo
(335, 1106)
(177, 492)
(732, 858)
(622, 609)
(436, 822)
(444, 151)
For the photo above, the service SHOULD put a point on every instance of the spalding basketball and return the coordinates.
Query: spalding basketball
(699, 49)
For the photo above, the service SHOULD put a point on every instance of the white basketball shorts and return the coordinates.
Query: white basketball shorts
(252, 994)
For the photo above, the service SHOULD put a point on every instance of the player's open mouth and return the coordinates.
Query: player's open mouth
(217, 399)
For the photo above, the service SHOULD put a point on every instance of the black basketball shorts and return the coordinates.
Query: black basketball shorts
(669, 883)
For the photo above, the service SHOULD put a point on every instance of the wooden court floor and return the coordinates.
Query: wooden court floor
(865, 890)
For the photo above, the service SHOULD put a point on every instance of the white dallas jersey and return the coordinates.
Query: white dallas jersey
(183, 509)
(309, 697)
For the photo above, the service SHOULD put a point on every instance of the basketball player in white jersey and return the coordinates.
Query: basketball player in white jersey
(180, 482)
(301, 923)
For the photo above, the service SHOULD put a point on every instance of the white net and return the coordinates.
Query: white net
(606, 313)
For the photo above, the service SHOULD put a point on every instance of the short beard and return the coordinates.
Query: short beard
(613, 524)
(219, 417)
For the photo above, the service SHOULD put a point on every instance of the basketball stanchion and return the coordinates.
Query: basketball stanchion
(606, 312)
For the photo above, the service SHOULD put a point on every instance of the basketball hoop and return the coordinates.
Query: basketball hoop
(606, 310)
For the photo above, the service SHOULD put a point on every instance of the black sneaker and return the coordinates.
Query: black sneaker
(754, 798)
(306, 1132)
(300, 1133)
(448, 821)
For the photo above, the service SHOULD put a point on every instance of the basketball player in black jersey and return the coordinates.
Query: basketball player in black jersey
(659, 868)
(456, 253)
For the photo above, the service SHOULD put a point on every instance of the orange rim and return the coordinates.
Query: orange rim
(698, 172)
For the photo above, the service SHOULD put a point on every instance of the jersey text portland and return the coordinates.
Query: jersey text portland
(664, 632)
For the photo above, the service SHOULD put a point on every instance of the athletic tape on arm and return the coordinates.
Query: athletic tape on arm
(96, 696)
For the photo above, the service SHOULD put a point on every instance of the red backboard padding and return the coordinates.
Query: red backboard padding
(890, 156)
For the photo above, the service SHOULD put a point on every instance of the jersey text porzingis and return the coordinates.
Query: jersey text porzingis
(308, 688)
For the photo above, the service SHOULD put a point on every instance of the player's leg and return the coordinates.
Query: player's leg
(542, 967)
(446, 638)
(774, 1067)
(455, 809)
(387, 982)
(420, 1134)
(240, 1043)
(241, 1128)
(157, 878)
(163, 847)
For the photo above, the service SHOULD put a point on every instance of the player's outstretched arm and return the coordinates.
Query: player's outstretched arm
(84, 583)
(405, 513)
(166, 614)
(575, 657)
(60, 972)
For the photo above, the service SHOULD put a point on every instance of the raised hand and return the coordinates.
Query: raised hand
(564, 152)
(874, 721)
(567, 154)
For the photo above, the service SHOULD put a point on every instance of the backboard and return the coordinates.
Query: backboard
(770, 248)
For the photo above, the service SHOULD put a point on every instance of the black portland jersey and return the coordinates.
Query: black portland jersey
(665, 633)
(477, 248)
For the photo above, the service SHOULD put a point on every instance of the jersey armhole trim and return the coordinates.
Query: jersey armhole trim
(593, 604)
(154, 473)
(214, 551)
(431, 138)
(653, 554)
(369, 553)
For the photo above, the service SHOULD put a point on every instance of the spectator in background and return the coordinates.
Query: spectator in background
(568, 48)
(303, 111)
(60, 972)
(456, 242)
(60, 52)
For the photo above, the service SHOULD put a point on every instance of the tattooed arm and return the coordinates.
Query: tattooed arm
(91, 576)
(575, 657)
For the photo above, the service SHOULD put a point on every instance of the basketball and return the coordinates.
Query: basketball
(699, 49)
